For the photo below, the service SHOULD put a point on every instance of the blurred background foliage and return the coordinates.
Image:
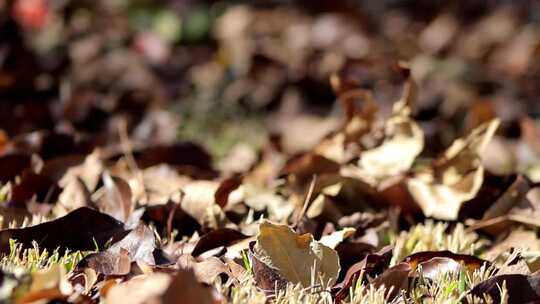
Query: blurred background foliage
(224, 72)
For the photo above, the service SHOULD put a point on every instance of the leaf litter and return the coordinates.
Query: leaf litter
(109, 194)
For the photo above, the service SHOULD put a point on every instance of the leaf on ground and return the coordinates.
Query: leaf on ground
(141, 289)
(394, 279)
(33, 185)
(225, 188)
(137, 246)
(108, 262)
(371, 266)
(294, 257)
(453, 178)
(166, 217)
(199, 198)
(403, 139)
(13, 165)
(444, 260)
(520, 289)
(207, 270)
(185, 289)
(217, 238)
(47, 285)
(335, 238)
(188, 158)
(81, 229)
(117, 198)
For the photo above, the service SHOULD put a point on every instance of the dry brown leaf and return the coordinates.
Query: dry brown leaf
(140, 289)
(199, 202)
(294, 256)
(453, 178)
(117, 198)
(404, 140)
(185, 289)
(206, 271)
(47, 285)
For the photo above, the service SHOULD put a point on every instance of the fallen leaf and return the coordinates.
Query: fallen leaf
(108, 262)
(394, 279)
(187, 157)
(141, 289)
(453, 178)
(371, 266)
(225, 188)
(295, 256)
(334, 239)
(403, 139)
(137, 246)
(170, 216)
(48, 284)
(81, 229)
(443, 260)
(520, 288)
(32, 185)
(185, 289)
(13, 165)
(217, 238)
(208, 270)
(117, 199)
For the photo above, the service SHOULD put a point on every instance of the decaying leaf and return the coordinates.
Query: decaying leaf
(48, 285)
(206, 271)
(141, 289)
(520, 288)
(117, 198)
(372, 265)
(81, 229)
(294, 257)
(444, 260)
(184, 288)
(216, 238)
(137, 246)
(403, 140)
(454, 178)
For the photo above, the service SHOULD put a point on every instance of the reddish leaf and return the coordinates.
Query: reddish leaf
(394, 279)
(521, 288)
(13, 165)
(217, 238)
(372, 265)
(267, 279)
(226, 187)
(470, 262)
(42, 187)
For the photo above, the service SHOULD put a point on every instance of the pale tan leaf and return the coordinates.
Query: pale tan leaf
(336, 237)
(453, 178)
(140, 289)
(404, 140)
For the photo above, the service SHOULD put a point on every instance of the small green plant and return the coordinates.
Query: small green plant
(432, 236)
(33, 259)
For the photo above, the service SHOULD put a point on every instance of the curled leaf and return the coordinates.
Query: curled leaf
(453, 178)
